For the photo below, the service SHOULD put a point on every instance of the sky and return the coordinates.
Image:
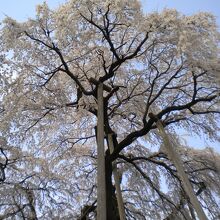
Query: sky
(23, 9)
(186, 7)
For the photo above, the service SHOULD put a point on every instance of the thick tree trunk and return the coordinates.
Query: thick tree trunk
(111, 201)
(117, 181)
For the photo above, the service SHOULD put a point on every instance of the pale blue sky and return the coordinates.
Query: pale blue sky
(22, 9)
(185, 6)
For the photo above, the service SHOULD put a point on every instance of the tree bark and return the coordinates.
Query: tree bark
(111, 201)
(117, 182)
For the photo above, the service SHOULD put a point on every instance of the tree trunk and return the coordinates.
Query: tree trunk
(117, 181)
(111, 201)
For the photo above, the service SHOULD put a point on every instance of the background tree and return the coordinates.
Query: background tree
(161, 63)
